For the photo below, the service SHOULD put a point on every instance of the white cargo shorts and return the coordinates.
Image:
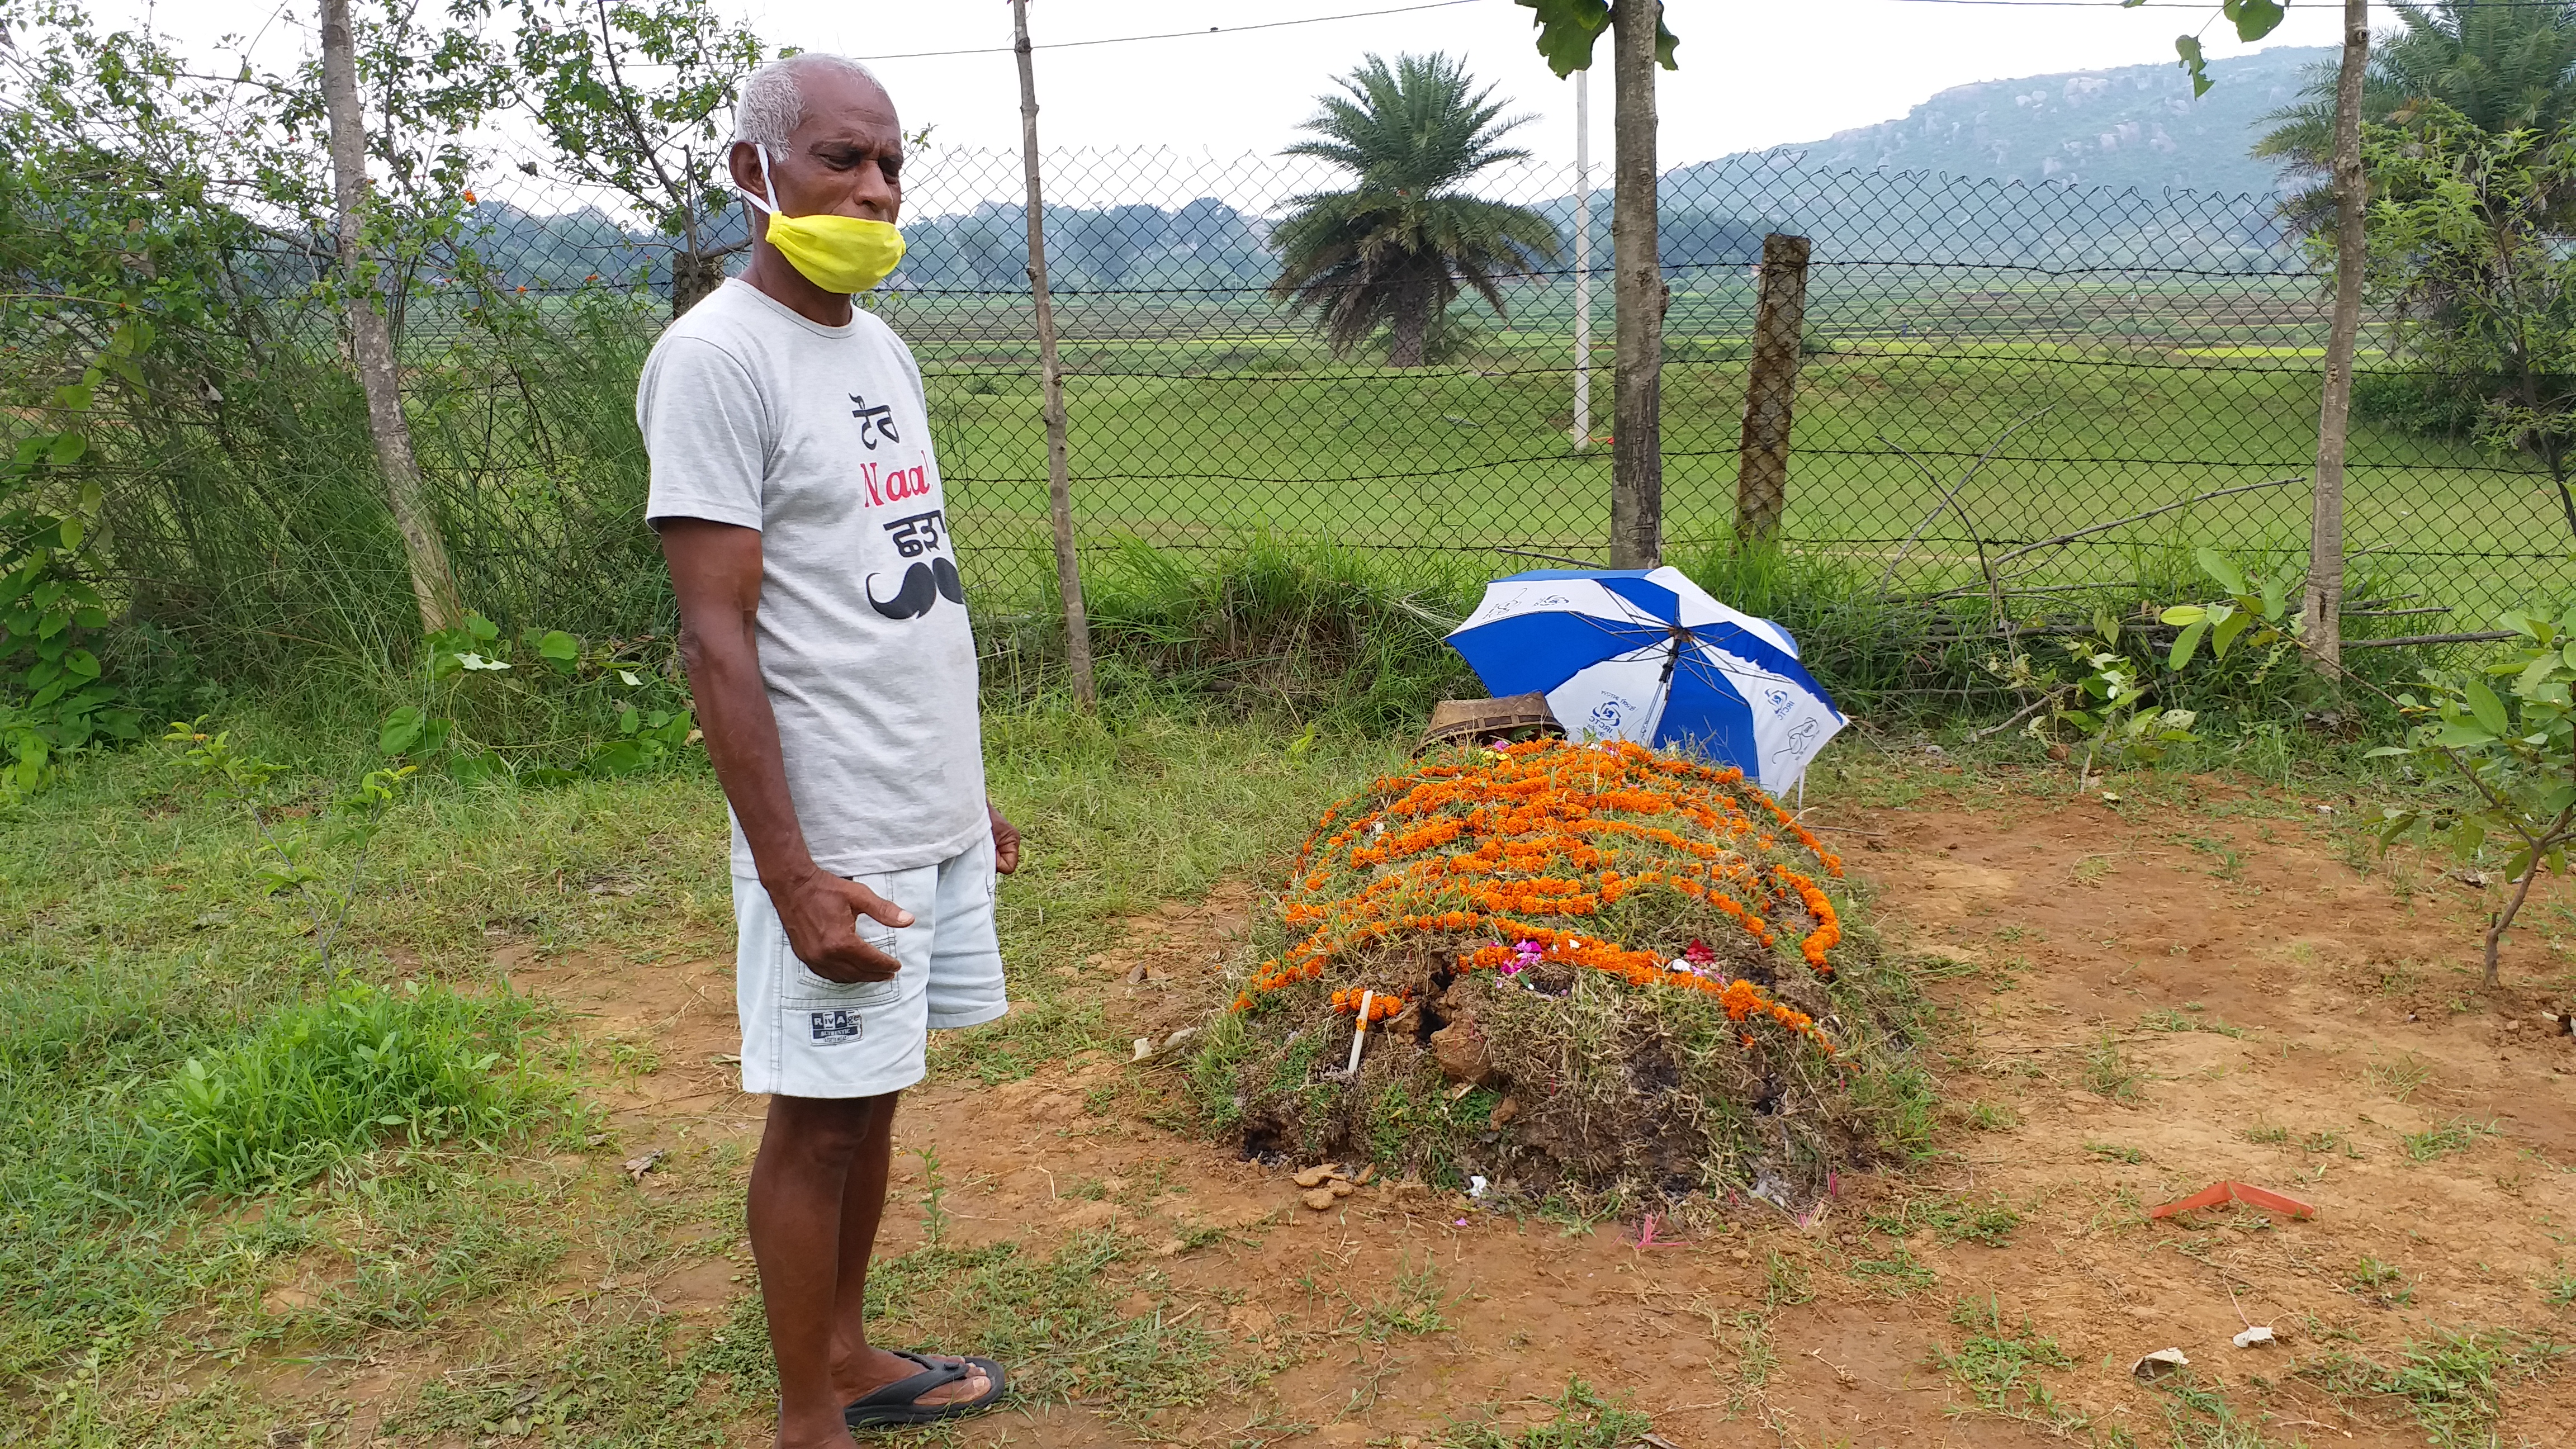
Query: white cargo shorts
(804, 1036)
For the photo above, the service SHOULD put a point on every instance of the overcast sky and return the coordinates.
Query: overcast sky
(1752, 74)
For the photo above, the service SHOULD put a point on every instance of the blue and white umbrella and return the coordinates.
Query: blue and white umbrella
(1647, 655)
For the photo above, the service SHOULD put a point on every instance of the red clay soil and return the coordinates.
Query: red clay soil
(2291, 1022)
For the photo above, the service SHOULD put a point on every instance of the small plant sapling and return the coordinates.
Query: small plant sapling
(2255, 612)
(2109, 704)
(2512, 746)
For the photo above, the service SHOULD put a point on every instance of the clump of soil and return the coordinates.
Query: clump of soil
(1586, 967)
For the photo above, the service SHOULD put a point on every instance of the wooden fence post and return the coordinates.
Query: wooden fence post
(1771, 387)
(1068, 560)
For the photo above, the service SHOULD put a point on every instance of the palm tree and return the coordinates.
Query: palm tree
(2504, 65)
(1394, 249)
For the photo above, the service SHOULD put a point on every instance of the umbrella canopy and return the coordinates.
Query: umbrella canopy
(1647, 655)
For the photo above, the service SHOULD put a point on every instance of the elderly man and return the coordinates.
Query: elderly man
(826, 640)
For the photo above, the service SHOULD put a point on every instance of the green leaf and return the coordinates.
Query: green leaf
(401, 730)
(2194, 65)
(2276, 598)
(2184, 643)
(2226, 632)
(2489, 710)
(2397, 823)
(2183, 614)
(1567, 30)
(81, 663)
(69, 531)
(559, 648)
(2254, 18)
(67, 449)
(2535, 673)
(2217, 566)
(2463, 737)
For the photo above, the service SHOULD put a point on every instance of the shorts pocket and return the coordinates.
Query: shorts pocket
(804, 987)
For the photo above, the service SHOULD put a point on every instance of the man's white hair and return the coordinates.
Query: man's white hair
(773, 103)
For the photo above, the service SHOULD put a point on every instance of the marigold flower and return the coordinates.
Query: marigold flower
(1511, 840)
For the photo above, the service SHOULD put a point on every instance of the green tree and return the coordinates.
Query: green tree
(2468, 242)
(1394, 250)
(633, 96)
(2498, 67)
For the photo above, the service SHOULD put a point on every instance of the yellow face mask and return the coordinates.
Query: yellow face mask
(836, 253)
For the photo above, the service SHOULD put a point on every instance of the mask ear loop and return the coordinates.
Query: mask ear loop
(770, 206)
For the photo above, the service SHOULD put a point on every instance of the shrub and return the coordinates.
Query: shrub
(321, 1080)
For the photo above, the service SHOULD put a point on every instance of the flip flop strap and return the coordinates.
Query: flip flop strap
(907, 1391)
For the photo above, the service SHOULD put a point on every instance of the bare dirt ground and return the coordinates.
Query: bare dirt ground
(2141, 999)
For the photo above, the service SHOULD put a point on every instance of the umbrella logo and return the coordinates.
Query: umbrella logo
(1780, 700)
(1801, 738)
(1608, 714)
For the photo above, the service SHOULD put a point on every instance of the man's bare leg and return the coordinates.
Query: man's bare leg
(817, 1189)
(858, 1369)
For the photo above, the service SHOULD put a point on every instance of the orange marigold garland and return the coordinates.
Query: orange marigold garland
(1494, 846)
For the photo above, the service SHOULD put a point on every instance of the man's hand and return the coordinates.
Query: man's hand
(1006, 842)
(821, 913)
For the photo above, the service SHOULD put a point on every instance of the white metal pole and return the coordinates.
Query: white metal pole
(1582, 261)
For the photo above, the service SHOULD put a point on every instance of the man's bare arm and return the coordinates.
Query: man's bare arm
(715, 570)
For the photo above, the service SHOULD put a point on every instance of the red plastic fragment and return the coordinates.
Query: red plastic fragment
(2244, 1192)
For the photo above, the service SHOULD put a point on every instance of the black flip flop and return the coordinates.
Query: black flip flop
(897, 1402)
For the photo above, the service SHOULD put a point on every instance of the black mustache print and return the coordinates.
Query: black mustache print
(924, 585)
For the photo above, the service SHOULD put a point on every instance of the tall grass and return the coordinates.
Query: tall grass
(1263, 624)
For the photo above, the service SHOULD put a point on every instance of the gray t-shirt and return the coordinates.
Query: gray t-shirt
(819, 438)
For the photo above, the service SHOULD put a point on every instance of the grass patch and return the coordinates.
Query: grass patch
(1584, 1419)
(2453, 1384)
(2190, 1016)
(2382, 1282)
(2000, 1367)
(317, 1082)
(2108, 1072)
(1992, 1117)
(1954, 1219)
(2558, 1289)
(2457, 1135)
(2114, 1152)
(1409, 1305)
(2398, 1078)
(1785, 1281)
(2199, 1417)
(1898, 1275)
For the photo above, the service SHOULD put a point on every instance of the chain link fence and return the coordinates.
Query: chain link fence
(2003, 385)
(2038, 390)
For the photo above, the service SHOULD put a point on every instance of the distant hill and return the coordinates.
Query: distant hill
(2132, 125)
